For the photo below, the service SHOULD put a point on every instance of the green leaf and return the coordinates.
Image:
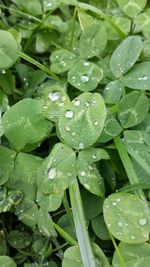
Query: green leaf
(23, 176)
(85, 75)
(125, 55)
(72, 257)
(127, 218)
(32, 7)
(133, 7)
(27, 212)
(112, 92)
(55, 22)
(133, 255)
(24, 124)
(58, 170)
(137, 143)
(62, 60)
(89, 175)
(54, 98)
(7, 158)
(100, 229)
(19, 240)
(94, 38)
(7, 82)
(45, 224)
(3, 244)
(111, 129)
(138, 77)
(8, 50)
(133, 108)
(7, 261)
(81, 122)
(49, 202)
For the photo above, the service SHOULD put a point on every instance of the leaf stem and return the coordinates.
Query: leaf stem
(65, 235)
(117, 251)
(81, 228)
(133, 179)
(38, 64)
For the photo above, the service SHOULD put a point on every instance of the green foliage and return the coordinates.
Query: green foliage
(74, 133)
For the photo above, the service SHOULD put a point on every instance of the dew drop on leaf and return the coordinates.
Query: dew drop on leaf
(143, 221)
(86, 63)
(96, 123)
(52, 173)
(54, 96)
(69, 114)
(84, 78)
(81, 145)
(76, 102)
(82, 173)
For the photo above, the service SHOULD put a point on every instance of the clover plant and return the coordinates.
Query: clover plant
(74, 133)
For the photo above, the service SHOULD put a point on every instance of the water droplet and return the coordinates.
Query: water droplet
(52, 173)
(143, 78)
(118, 199)
(114, 203)
(82, 173)
(108, 224)
(86, 63)
(87, 104)
(3, 71)
(107, 206)
(90, 168)
(67, 129)
(94, 156)
(24, 79)
(96, 123)
(81, 145)
(76, 102)
(54, 96)
(84, 78)
(87, 186)
(132, 237)
(143, 221)
(69, 114)
(73, 133)
(120, 224)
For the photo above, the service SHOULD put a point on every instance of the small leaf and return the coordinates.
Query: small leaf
(127, 218)
(45, 224)
(94, 38)
(7, 82)
(7, 158)
(133, 7)
(125, 55)
(62, 60)
(49, 202)
(24, 120)
(19, 240)
(8, 50)
(100, 229)
(133, 255)
(138, 77)
(133, 108)
(32, 7)
(7, 261)
(89, 175)
(81, 122)
(85, 75)
(112, 92)
(58, 170)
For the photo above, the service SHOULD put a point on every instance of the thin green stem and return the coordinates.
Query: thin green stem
(81, 228)
(67, 208)
(117, 251)
(21, 13)
(133, 179)
(39, 65)
(97, 11)
(60, 247)
(66, 236)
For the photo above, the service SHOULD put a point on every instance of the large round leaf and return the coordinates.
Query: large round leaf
(8, 50)
(127, 218)
(58, 171)
(94, 39)
(133, 255)
(85, 75)
(133, 108)
(133, 7)
(6, 261)
(125, 55)
(24, 124)
(82, 121)
(138, 77)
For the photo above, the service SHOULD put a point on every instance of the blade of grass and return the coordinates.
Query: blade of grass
(133, 179)
(65, 235)
(117, 251)
(39, 65)
(81, 228)
(139, 160)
